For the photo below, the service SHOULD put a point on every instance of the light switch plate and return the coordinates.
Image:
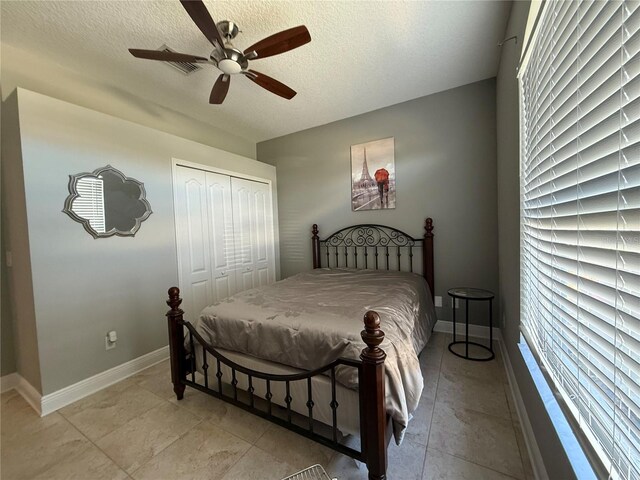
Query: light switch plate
(109, 345)
(438, 301)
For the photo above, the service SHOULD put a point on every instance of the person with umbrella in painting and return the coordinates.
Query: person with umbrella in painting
(382, 179)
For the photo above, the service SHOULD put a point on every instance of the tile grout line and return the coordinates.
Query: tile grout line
(94, 444)
(224, 474)
(115, 395)
(433, 408)
(508, 475)
(493, 416)
(262, 435)
(160, 451)
(469, 377)
(513, 425)
(524, 470)
(515, 421)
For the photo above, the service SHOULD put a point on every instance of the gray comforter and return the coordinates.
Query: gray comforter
(312, 318)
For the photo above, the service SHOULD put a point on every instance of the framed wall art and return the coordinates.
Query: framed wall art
(373, 175)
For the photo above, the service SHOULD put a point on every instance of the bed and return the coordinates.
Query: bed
(294, 353)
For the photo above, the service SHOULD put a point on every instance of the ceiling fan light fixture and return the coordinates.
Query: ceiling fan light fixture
(230, 67)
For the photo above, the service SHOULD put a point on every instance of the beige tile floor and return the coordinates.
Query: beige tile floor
(465, 428)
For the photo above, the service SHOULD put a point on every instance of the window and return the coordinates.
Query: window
(580, 217)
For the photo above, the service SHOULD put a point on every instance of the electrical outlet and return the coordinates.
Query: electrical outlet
(8, 259)
(455, 302)
(438, 301)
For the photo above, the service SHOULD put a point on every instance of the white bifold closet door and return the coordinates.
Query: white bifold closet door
(225, 236)
(252, 232)
(221, 232)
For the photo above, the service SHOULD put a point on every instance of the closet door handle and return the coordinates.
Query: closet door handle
(224, 274)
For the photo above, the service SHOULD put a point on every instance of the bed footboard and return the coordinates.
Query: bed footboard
(183, 339)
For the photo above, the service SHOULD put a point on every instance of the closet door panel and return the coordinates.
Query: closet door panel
(244, 233)
(192, 226)
(253, 230)
(221, 235)
(263, 241)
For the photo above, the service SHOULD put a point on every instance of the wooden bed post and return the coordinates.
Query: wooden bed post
(176, 341)
(427, 255)
(372, 432)
(315, 246)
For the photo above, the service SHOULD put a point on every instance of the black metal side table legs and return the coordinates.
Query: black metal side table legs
(468, 294)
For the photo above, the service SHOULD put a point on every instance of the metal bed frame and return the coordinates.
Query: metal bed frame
(384, 244)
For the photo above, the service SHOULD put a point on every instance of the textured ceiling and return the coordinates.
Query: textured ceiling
(363, 55)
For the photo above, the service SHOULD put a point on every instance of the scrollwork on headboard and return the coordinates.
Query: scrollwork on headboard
(370, 236)
(353, 246)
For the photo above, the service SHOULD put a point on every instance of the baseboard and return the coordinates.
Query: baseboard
(537, 463)
(478, 331)
(61, 398)
(30, 394)
(9, 382)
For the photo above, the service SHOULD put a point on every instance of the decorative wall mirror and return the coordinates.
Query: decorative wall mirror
(106, 202)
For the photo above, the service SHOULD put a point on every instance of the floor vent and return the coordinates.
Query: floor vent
(186, 68)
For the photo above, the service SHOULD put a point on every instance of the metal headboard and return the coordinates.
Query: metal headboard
(371, 246)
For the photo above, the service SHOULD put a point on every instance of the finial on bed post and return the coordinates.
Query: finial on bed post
(427, 255)
(315, 246)
(372, 336)
(374, 413)
(176, 341)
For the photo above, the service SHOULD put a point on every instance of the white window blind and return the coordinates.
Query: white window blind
(580, 217)
(90, 203)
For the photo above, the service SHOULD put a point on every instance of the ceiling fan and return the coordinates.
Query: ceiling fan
(229, 59)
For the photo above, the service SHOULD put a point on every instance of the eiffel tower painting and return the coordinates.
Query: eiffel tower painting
(373, 177)
(365, 179)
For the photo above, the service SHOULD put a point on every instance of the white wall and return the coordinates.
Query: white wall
(84, 287)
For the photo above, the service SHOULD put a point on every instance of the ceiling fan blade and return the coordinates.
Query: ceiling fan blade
(271, 84)
(166, 56)
(201, 17)
(220, 89)
(280, 42)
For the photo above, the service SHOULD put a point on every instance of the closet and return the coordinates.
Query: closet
(224, 233)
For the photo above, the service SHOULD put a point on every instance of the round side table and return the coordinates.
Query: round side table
(472, 294)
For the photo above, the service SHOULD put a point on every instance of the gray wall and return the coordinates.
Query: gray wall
(19, 286)
(7, 353)
(445, 154)
(551, 450)
(84, 287)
